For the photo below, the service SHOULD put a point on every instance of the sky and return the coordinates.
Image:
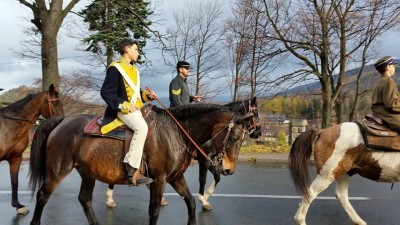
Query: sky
(16, 71)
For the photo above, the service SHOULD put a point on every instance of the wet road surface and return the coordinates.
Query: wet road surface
(257, 194)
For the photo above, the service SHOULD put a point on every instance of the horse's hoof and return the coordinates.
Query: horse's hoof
(207, 207)
(22, 211)
(111, 204)
(163, 202)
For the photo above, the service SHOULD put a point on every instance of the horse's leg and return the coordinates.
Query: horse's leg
(210, 190)
(15, 164)
(85, 198)
(43, 195)
(342, 188)
(182, 189)
(318, 185)
(217, 178)
(109, 195)
(203, 170)
(157, 188)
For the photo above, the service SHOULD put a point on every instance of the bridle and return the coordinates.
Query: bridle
(253, 123)
(217, 159)
(49, 100)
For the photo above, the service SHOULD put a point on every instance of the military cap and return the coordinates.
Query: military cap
(183, 64)
(384, 61)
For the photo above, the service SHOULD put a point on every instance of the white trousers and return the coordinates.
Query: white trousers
(136, 122)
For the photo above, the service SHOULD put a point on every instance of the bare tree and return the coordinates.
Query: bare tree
(322, 36)
(48, 17)
(253, 54)
(379, 19)
(196, 36)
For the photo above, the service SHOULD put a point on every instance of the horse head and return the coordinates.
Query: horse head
(51, 104)
(227, 138)
(244, 107)
(255, 124)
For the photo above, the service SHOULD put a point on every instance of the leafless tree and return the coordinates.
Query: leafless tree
(253, 55)
(48, 16)
(196, 37)
(322, 36)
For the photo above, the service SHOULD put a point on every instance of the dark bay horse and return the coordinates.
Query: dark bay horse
(339, 152)
(59, 146)
(15, 122)
(254, 130)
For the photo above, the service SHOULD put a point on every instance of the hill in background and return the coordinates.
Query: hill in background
(368, 81)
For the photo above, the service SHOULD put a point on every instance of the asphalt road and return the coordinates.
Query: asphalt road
(257, 194)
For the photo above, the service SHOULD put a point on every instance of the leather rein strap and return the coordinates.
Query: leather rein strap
(15, 118)
(183, 129)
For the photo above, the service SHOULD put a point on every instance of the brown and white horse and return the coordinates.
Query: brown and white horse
(339, 152)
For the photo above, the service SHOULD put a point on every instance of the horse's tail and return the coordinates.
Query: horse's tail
(37, 166)
(299, 156)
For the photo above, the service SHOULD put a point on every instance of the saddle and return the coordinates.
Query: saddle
(123, 133)
(377, 134)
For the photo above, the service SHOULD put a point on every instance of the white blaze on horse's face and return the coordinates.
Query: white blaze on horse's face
(234, 143)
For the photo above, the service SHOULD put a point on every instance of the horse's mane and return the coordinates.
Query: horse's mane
(192, 113)
(17, 106)
(238, 105)
(192, 110)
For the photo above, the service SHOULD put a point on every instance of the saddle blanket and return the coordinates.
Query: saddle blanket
(122, 132)
(378, 136)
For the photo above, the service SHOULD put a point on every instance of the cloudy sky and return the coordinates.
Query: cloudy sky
(16, 71)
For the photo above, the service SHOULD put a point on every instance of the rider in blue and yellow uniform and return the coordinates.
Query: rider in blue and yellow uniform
(121, 91)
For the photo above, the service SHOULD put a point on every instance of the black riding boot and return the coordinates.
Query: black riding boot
(135, 177)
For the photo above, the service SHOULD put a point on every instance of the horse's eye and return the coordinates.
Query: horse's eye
(234, 138)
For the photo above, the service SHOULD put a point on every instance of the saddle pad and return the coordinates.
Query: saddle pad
(379, 139)
(93, 128)
(377, 129)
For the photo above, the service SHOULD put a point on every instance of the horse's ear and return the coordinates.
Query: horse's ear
(253, 101)
(247, 116)
(54, 89)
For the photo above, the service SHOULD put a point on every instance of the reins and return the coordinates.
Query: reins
(183, 130)
(15, 118)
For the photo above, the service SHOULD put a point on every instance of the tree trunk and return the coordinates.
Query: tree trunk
(49, 52)
(326, 105)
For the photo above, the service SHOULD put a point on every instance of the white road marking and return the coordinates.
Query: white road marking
(236, 196)
(272, 196)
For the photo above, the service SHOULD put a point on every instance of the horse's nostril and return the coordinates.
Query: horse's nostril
(227, 171)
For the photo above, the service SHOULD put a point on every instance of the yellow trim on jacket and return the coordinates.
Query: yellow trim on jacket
(133, 75)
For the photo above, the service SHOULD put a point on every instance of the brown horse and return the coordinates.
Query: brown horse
(15, 122)
(254, 131)
(339, 152)
(59, 146)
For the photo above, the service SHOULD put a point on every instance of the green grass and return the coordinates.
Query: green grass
(258, 148)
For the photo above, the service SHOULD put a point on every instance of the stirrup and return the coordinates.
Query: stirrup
(139, 179)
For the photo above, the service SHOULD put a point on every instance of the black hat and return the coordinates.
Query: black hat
(183, 64)
(387, 60)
